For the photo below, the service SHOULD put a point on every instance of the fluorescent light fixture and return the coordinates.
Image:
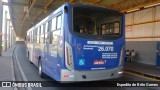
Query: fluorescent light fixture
(152, 5)
(120, 72)
(4, 1)
(133, 10)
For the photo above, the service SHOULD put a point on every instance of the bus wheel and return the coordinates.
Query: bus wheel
(29, 58)
(30, 62)
(41, 74)
(28, 55)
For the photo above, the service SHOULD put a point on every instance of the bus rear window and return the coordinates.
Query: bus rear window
(111, 28)
(96, 21)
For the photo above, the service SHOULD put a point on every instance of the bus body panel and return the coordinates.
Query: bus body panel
(55, 56)
(89, 56)
(90, 75)
(85, 53)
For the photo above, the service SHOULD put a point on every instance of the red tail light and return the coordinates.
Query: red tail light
(68, 62)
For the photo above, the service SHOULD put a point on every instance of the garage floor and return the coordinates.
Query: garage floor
(143, 68)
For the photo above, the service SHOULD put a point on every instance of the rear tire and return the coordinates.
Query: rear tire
(29, 58)
(28, 55)
(41, 74)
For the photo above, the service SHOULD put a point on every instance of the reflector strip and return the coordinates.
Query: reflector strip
(68, 57)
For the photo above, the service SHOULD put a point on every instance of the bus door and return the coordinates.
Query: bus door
(46, 47)
(158, 53)
(32, 47)
(54, 34)
(45, 55)
(53, 58)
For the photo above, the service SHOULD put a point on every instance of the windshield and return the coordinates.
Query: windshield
(96, 21)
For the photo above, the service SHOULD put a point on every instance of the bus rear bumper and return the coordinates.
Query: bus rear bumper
(90, 75)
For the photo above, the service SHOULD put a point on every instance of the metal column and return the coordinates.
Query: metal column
(13, 37)
(8, 32)
(10, 37)
(5, 32)
(1, 20)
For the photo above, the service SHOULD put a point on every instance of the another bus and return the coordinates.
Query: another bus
(78, 42)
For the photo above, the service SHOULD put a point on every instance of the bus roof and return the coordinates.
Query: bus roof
(73, 5)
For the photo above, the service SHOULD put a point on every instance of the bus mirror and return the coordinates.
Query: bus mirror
(65, 9)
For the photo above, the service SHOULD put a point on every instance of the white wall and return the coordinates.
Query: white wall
(145, 47)
(143, 30)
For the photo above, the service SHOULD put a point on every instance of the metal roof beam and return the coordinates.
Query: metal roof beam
(13, 4)
(95, 2)
(116, 4)
(45, 8)
(139, 6)
(25, 14)
(71, 1)
(29, 8)
(19, 4)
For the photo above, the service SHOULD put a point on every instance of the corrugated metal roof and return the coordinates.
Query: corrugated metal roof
(42, 8)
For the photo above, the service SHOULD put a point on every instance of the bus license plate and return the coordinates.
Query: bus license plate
(99, 62)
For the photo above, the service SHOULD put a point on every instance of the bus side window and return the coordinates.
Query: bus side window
(35, 35)
(43, 34)
(55, 37)
(59, 21)
(46, 32)
(53, 28)
(49, 31)
(54, 24)
(38, 35)
(56, 33)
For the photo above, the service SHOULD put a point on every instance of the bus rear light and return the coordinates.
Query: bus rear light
(66, 76)
(122, 56)
(68, 61)
(68, 56)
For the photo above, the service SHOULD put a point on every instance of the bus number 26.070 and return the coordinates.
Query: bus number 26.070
(105, 48)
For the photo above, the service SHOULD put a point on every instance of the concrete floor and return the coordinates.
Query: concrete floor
(31, 74)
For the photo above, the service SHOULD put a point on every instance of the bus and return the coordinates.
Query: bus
(78, 42)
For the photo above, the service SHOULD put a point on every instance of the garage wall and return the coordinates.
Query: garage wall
(145, 51)
(143, 36)
(146, 29)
